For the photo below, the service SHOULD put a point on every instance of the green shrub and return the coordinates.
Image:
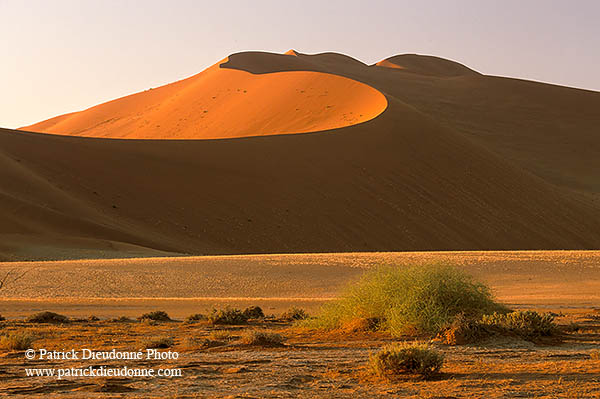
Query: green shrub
(396, 359)
(227, 316)
(526, 324)
(261, 338)
(416, 299)
(47, 317)
(253, 312)
(195, 317)
(158, 315)
(158, 343)
(294, 313)
(16, 340)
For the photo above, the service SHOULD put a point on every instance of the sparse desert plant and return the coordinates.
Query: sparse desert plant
(406, 358)
(195, 317)
(253, 312)
(261, 338)
(47, 317)
(595, 354)
(158, 315)
(294, 313)
(414, 299)
(121, 319)
(157, 343)
(227, 316)
(16, 340)
(463, 330)
(220, 335)
(93, 318)
(526, 324)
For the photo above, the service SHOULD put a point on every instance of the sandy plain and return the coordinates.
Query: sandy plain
(309, 364)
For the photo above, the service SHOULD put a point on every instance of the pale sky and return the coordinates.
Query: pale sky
(60, 56)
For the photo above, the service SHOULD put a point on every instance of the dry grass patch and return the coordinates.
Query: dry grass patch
(16, 340)
(221, 335)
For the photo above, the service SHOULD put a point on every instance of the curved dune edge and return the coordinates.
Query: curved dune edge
(227, 103)
(426, 65)
(388, 64)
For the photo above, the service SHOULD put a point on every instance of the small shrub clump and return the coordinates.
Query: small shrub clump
(261, 338)
(397, 359)
(158, 315)
(405, 300)
(47, 317)
(294, 313)
(526, 324)
(227, 316)
(195, 317)
(121, 319)
(16, 340)
(253, 312)
(463, 330)
(158, 343)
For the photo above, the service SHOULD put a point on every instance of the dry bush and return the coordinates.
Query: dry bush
(121, 319)
(47, 317)
(294, 313)
(158, 315)
(253, 312)
(261, 338)
(195, 317)
(227, 316)
(397, 359)
(526, 324)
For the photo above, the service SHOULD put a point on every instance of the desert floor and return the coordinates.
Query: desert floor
(309, 364)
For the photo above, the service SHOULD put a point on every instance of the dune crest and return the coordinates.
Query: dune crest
(227, 103)
(426, 65)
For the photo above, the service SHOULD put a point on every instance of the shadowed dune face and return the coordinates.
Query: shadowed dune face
(226, 103)
(426, 65)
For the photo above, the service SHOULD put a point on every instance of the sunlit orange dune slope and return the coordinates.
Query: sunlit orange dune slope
(434, 165)
(222, 103)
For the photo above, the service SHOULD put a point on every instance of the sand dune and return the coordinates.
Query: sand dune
(426, 65)
(223, 103)
(410, 178)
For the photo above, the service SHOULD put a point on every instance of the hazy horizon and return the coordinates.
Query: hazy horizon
(67, 56)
